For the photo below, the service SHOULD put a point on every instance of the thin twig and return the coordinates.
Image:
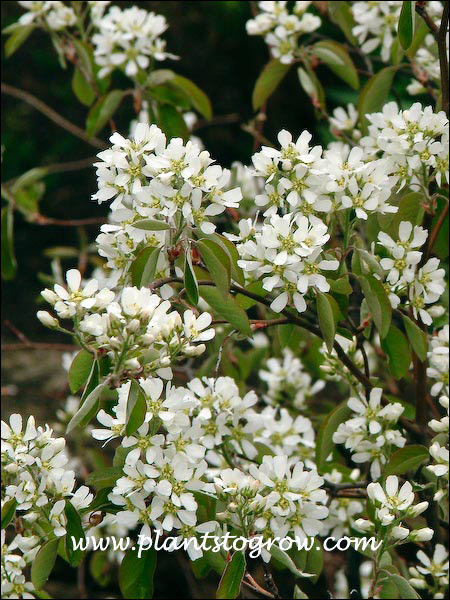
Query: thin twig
(39, 219)
(437, 229)
(52, 115)
(63, 167)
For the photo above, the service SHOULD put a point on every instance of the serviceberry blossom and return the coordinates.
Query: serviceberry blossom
(288, 382)
(48, 15)
(129, 39)
(370, 434)
(433, 569)
(282, 28)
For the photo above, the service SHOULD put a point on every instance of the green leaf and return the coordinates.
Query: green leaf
(285, 560)
(103, 478)
(231, 580)
(8, 259)
(341, 286)
(236, 271)
(375, 93)
(267, 82)
(217, 262)
(417, 338)
(136, 408)
(102, 111)
(198, 98)
(324, 444)
(190, 280)
(406, 24)
(18, 37)
(341, 14)
(82, 89)
(172, 122)
(336, 57)
(314, 561)
(87, 410)
(144, 266)
(403, 586)
(410, 208)
(165, 94)
(370, 260)
(28, 178)
(378, 303)
(74, 529)
(312, 86)
(406, 459)
(151, 225)
(298, 594)
(8, 510)
(136, 574)
(227, 308)
(398, 352)
(44, 562)
(100, 568)
(327, 323)
(159, 76)
(85, 58)
(80, 369)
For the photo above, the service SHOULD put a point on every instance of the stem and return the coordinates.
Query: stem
(51, 114)
(437, 229)
(443, 61)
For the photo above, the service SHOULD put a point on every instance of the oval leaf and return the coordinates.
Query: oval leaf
(326, 319)
(417, 338)
(324, 443)
(406, 24)
(217, 262)
(74, 530)
(231, 580)
(102, 111)
(136, 574)
(80, 369)
(267, 82)
(198, 98)
(144, 266)
(406, 459)
(226, 307)
(44, 562)
(398, 352)
(151, 225)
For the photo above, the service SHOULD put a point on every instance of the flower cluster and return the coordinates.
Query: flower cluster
(137, 332)
(434, 569)
(332, 367)
(393, 505)
(148, 179)
(282, 28)
(275, 499)
(415, 140)
(49, 15)
(407, 276)
(370, 435)
(129, 39)
(37, 482)
(288, 384)
(376, 24)
(342, 511)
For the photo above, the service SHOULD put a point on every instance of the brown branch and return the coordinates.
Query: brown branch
(39, 219)
(443, 60)
(422, 11)
(436, 230)
(52, 115)
(63, 167)
(25, 343)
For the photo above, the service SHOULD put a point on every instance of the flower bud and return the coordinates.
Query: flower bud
(50, 296)
(418, 509)
(422, 535)
(46, 319)
(399, 533)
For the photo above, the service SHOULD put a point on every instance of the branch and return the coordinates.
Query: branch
(443, 60)
(422, 11)
(42, 220)
(436, 230)
(52, 115)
